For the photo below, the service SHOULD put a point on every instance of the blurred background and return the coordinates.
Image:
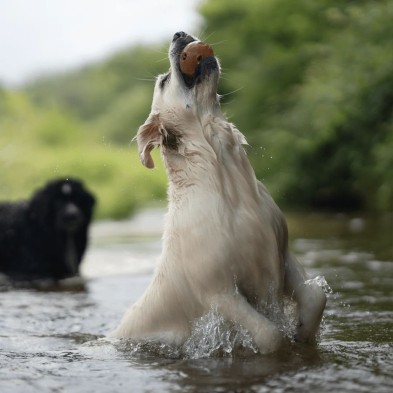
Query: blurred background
(310, 84)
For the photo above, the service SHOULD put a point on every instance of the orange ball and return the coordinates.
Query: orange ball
(192, 55)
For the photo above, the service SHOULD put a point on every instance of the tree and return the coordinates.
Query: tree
(315, 96)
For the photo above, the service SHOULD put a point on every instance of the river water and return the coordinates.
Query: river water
(54, 340)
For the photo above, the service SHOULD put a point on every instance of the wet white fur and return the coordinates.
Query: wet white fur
(225, 240)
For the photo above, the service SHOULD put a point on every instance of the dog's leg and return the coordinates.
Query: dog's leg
(310, 298)
(235, 308)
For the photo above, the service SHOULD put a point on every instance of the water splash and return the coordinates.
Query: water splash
(321, 282)
(213, 336)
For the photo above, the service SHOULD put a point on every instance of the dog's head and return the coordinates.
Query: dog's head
(58, 214)
(62, 205)
(183, 96)
(193, 75)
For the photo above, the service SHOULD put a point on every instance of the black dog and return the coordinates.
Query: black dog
(46, 236)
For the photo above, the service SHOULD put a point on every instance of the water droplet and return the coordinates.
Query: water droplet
(321, 282)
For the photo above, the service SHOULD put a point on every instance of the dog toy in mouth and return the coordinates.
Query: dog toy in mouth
(192, 55)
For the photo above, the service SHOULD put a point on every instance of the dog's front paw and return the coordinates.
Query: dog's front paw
(303, 336)
(268, 339)
(310, 314)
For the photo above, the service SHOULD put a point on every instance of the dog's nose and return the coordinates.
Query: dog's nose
(70, 217)
(192, 55)
(179, 34)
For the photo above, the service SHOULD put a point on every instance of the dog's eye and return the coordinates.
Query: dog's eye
(164, 80)
(171, 140)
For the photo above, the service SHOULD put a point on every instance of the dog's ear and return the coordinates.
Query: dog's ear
(148, 137)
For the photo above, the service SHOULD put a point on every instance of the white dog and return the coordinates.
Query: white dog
(225, 240)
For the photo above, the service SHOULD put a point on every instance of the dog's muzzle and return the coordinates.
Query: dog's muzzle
(195, 59)
(192, 56)
(70, 218)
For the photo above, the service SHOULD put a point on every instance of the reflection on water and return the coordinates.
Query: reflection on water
(55, 340)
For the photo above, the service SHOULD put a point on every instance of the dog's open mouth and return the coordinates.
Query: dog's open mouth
(195, 59)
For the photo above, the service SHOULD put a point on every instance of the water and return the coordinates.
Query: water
(54, 340)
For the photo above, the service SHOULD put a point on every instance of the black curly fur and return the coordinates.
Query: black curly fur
(45, 237)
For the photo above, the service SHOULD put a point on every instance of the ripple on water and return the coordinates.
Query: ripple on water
(52, 341)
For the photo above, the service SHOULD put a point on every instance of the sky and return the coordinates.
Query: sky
(41, 36)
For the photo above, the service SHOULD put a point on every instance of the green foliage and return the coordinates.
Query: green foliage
(37, 145)
(113, 96)
(128, 111)
(81, 124)
(316, 93)
(309, 82)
